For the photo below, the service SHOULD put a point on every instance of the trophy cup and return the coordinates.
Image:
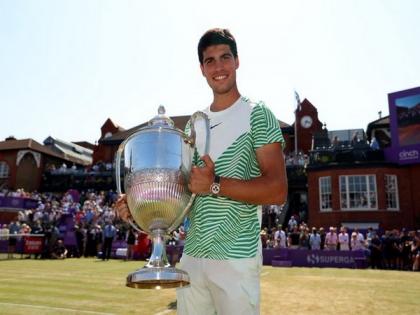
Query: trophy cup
(156, 162)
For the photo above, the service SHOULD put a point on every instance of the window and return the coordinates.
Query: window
(391, 192)
(358, 192)
(325, 193)
(4, 170)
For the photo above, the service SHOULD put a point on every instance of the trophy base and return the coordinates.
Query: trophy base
(158, 278)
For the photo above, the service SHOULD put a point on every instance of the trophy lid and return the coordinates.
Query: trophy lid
(161, 120)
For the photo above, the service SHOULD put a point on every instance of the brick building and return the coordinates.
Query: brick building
(23, 162)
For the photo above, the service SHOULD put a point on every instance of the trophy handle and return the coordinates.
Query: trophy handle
(117, 167)
(192, 140)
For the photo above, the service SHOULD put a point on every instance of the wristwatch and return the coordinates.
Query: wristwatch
(215, 187)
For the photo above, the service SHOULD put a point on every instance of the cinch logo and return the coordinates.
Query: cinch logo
(408, 155)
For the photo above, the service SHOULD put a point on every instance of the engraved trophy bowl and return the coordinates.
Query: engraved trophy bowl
(154, 165)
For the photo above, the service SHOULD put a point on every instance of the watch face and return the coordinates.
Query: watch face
(215, 188)
(306, 121)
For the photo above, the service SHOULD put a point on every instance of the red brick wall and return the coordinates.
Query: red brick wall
(407, 186)
(10, 158)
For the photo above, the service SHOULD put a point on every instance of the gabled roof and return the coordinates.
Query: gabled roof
(27, 144)
(60, 150)
(381, 122)
(85, 144)
(71, 151)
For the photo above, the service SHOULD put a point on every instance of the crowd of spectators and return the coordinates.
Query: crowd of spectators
(393, 249)
(90, 211)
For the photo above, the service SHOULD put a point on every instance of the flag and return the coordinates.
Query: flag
(299, 107)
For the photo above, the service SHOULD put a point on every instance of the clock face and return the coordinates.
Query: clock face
(306, 121)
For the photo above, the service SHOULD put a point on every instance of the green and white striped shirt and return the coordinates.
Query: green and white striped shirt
(222, 228)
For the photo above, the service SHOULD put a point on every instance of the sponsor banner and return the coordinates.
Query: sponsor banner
(314, 258)
(33, 244)
(406, 155)
(18, 203)
(404, 113)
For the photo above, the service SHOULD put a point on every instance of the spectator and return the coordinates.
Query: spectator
(343, 239)
(374, 144)
(59, 250)
(293, 238)
(355, 242)
(109, 234)
(14, 228)
(331, 239)
(131, 240)
(322, 235)
(405, 249)
(292, 223)
(375, 252)
(415, 252)
(304, 238)
(280, 237)
(315, 240)
(264, 237)
(4, 233)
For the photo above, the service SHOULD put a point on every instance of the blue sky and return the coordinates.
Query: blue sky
(67, 66)
(408, 101)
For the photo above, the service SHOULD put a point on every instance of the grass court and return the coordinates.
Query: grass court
(91, 286)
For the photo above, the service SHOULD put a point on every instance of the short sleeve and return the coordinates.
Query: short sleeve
(265, 127)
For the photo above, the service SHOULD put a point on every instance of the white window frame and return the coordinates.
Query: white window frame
(368, 193)
(397, 198)
(322, 193)
(4, 170)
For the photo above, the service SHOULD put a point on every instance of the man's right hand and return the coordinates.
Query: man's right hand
(121, 208)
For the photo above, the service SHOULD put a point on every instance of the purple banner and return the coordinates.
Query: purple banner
(315, 258)
(18, 203)
(404, 114)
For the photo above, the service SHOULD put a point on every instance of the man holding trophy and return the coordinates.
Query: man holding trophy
(243, 170)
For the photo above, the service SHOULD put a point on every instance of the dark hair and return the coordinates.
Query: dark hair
(216, 36)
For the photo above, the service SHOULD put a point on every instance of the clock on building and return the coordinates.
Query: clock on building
(306, 121)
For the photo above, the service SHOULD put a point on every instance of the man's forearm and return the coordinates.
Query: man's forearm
(259, 191)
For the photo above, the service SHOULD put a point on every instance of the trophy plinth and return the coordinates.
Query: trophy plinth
(158, 278)
(155, 163)
(158, 273)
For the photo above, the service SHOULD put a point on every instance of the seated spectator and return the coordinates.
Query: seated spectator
(59, 250)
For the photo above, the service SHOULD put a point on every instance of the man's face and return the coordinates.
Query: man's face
(219, 68)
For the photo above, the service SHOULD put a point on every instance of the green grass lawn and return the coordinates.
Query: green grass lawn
(90, 286)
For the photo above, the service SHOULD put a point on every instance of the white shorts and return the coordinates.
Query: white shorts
(222, 287)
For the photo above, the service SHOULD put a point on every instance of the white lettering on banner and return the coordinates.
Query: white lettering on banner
(408, 155)
(314, 259)
(33, 244)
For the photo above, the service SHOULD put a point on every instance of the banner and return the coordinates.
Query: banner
(33, 244)
(18, 203)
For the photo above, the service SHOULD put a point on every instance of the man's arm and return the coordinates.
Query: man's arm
(269, 188)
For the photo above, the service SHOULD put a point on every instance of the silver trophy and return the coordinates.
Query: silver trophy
(155, 163)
